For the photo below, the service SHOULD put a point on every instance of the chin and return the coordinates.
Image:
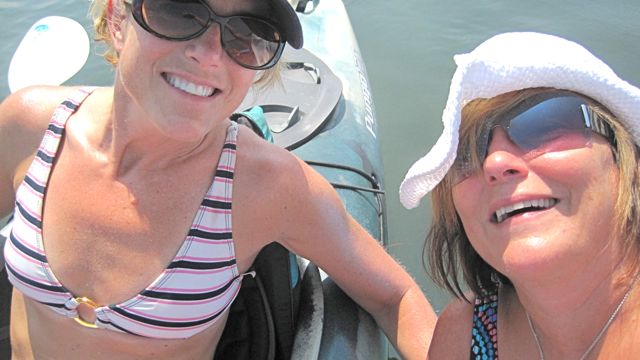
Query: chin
(531, 256)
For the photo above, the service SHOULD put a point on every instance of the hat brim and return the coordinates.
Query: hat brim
(289, 23)
(516, 61)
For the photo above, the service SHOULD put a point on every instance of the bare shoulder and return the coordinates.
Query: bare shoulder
(27, 104)
(270, 168)
(255, 156)
(452, 336)
(24, 116)
(276, 188)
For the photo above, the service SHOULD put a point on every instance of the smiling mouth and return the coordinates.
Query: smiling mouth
(189, 87)
(522, 207)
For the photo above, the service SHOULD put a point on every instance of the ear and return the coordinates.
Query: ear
(117, 22)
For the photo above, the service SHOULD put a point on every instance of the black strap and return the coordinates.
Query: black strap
(5, 312)
(5, 305)
(274, 267)
(261, 323)
(249, 333)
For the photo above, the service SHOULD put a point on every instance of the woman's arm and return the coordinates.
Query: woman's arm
(314, 224)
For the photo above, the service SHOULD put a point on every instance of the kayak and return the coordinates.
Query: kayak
(323, 112)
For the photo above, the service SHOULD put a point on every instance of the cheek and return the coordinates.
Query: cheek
(247, 76)
(591, 169)
(248, 79)
(562, 140)
(242, 79)
(602, 189)
(466, 197)
(466, 200)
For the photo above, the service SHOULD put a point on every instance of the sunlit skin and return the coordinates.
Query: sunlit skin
(178, 127)
(146, 62)
(567, 268)
(135, 163)
(570, 235)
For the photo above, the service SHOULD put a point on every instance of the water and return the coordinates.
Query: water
(408, 47)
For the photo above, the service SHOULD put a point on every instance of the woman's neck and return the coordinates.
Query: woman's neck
(568, 313)
(123, 136)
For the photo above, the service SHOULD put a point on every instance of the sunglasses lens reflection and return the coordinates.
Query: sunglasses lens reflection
(532, 126)
(546, 121)
(175, 19)
(250, 41)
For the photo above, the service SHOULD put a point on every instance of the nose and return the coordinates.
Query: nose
(207, 48)
(504, 161)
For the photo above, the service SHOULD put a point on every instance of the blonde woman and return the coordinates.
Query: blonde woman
(136, 217)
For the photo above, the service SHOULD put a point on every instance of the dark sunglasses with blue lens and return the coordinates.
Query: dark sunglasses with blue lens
(532, 123)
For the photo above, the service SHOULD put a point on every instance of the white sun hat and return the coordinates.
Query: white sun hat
(515, 61)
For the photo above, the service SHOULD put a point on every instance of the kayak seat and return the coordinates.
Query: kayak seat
(300, 107)
(261, 323)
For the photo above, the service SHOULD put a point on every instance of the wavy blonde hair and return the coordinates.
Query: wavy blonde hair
(109, 14)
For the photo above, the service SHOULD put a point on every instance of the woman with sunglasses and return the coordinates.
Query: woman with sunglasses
(125, 243)
(536, 192)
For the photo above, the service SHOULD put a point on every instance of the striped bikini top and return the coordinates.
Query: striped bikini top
(193, 291)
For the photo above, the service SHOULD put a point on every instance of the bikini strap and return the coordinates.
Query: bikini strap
(51, 139)
(484, 337)
(63, 111)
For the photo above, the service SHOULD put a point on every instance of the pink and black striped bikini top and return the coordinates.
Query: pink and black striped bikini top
(193, 291)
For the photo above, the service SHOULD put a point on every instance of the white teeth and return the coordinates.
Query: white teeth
(191, 88)
(502, 213)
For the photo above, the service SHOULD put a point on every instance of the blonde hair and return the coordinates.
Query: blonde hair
(451, 258)
(102, 14)
(109, 14)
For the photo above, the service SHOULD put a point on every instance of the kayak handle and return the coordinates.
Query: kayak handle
(375, 188)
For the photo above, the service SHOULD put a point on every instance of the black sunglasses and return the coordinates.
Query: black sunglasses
(252, 42)
(534, 122)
